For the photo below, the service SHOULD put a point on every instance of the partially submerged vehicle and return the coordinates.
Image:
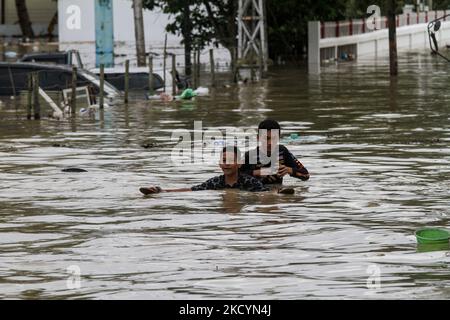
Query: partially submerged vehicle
(70, 57)
(14, 79)
(138, 76)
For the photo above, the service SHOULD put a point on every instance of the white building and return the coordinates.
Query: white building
(88, 29)
(81, 21)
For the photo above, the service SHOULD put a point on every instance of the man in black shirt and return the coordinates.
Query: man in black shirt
(231, 179)
(270, 161)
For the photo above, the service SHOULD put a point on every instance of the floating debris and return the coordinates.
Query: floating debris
(74, 170)
(61, 145)
(149, 145)
(201, 91)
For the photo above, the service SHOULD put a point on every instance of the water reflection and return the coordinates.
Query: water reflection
(433, 247)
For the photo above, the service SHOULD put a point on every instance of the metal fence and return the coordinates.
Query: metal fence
(336, 29)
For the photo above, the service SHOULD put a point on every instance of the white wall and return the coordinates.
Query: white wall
(154, 25)
(76, 21)
(83, 39)
(373, 44)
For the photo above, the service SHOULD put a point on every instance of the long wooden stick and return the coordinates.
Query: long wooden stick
(102, 86)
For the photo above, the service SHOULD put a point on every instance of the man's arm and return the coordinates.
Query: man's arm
(153, 190)
(208, 185)
(263, 173)
(293, 167)
(254, 185)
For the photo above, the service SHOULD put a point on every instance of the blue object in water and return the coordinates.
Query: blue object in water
(104, 33)
(221, 143)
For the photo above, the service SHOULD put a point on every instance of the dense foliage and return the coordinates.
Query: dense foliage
(201, 22)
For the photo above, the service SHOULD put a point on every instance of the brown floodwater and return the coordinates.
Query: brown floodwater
(377, 150)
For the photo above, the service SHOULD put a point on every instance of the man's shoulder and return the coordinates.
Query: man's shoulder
(215, 179)
(248, 178)
(283, 148)
(210, 184)
(215, 183)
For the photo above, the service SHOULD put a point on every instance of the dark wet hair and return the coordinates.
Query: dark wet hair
(269, 124)
(233, 149)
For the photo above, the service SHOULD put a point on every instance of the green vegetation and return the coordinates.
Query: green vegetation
(202, 22)
(205, 22)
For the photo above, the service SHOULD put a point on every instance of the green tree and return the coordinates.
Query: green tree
(288, 23)
(441, 4)
(358, 8)
(200, 23)
(24, 19)
(288, 20)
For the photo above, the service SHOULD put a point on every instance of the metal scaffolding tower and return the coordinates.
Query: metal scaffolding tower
(252, 34)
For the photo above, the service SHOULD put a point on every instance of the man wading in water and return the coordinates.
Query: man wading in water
(270, 162)
(232, 178)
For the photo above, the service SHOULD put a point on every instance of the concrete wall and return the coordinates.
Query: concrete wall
(374, 44)
(314, 46)
(76, 21)
(154, 23)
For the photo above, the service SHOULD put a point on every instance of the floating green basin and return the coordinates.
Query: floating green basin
(432, 236)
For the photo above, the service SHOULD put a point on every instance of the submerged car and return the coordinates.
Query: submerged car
(138, 76)
(14, 79)
(71, 57)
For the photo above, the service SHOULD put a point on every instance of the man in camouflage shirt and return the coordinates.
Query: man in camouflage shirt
(271, 168)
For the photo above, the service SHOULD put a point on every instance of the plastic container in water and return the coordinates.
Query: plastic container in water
(432, 236)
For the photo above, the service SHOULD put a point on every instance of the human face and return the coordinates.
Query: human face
(229, 163)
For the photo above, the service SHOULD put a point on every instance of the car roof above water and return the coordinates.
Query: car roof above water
(44, 55)
(34, 66)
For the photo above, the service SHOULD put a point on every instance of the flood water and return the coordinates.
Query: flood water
(378, 154)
